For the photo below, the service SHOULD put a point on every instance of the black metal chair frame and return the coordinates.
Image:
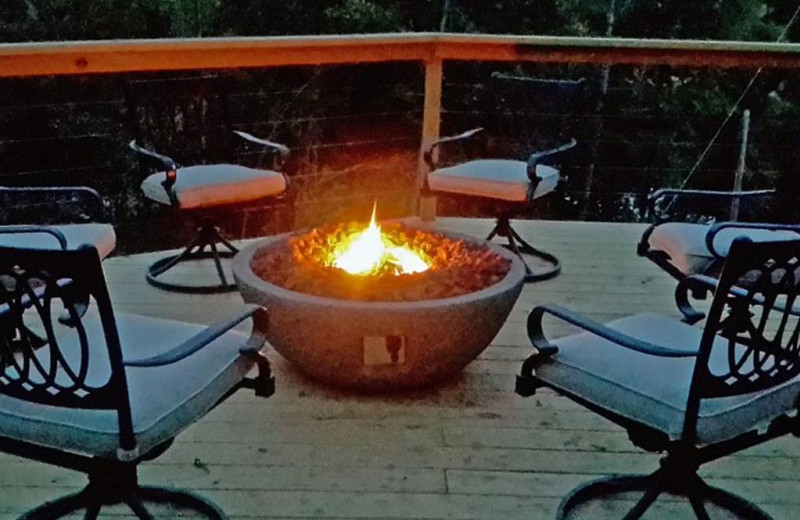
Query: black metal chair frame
(551, 157)
(658, 197)
(775, 267)
(204, 244)
(31, 209)
(75, 277)
(46, 205)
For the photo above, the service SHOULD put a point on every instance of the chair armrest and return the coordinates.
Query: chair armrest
(269, 145)
(427, 156)
(766, 226)
(68, 204)
(544, 156)
(539, 341)
(157, 162)
(78, 299)
(660, 194)
(699, 285)
(27, 300)
(46, 230)
(203, 338)
(154, 160)
(656, 197)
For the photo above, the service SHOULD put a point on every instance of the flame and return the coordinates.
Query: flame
(365, 252)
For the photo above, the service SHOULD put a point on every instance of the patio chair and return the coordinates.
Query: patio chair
(682, 248)
(200, 191)
(54, 217)
(696, 394)
(513, 185)
(99, 392)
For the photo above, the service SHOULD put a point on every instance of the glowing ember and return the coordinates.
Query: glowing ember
(304, 263)
(370, 251)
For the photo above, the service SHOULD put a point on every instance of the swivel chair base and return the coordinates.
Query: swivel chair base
(517, 245)
(119, 486)
(670, 478)
(207, 236)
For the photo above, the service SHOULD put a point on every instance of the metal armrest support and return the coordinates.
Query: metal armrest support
(537, 337)
(545, 156)
(202, 339)
(664, 192)
(428, 154)
(699, 286)
(282, 150)
(526, 383)
(38, 293)
(52, 201)
(159, 162)
(269, 146)
(22, 229)
(766, 226)
(655, 197)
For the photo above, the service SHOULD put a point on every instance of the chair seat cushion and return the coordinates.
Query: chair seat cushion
(501, 179)
(101, 236)
(164, 400)
(653, 390)
(211, 185)
(685, 243)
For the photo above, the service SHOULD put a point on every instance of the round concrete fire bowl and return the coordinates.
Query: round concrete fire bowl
(380, 345)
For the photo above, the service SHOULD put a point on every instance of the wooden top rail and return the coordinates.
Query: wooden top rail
(59, 58)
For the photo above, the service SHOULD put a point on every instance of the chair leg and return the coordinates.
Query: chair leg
(696, 490)
(207, 237)
(519, 246)
(58, 508)
(92, 511)
(183, 499)
(138, 508)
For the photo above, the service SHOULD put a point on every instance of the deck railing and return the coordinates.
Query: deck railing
(435, 52)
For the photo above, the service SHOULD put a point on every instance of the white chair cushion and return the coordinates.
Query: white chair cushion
(502, 179)
(685, 243)
(654, 390)
(215, 185)
(164, 400)
(101, 236)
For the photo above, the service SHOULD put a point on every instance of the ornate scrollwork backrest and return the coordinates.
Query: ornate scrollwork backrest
(752, 340)
(48, 353)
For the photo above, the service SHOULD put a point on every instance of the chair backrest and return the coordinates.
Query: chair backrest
(45, 205)
(60, 360)
(760, 328)
(185, 116)
(536, 113)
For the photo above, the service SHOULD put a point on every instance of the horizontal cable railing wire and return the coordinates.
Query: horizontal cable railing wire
(354, 134)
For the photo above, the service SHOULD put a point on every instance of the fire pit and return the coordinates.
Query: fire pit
(376, 308)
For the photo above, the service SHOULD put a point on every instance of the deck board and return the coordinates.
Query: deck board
(468, 448)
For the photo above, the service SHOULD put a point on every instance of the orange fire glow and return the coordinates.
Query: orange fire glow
(370, 251)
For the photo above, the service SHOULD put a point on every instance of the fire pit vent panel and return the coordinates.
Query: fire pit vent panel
(374, 344)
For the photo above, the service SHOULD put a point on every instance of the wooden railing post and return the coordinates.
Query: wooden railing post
(431, 120)
(740, 167)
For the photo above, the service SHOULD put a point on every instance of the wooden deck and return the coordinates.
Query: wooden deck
(469, 448)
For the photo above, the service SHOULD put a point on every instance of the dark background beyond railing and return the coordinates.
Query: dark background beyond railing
(355, 132)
